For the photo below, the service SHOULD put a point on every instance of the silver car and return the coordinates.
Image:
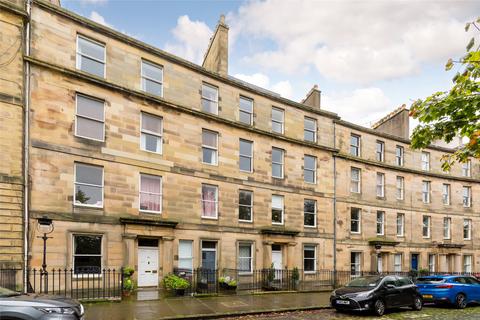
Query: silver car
(17, 306)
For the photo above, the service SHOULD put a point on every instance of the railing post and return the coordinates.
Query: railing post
(121, 282)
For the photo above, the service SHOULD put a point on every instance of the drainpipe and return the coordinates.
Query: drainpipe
(26, 141)
(334, 209)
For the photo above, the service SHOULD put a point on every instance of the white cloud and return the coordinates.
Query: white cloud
(191, 39)
(283, 88)
(98, 18)
(363, 106)
(353, 41)
(94, 2)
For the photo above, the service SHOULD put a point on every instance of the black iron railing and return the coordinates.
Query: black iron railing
(97, 284)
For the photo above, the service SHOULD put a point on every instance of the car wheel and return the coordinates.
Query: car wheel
(460, 301)
(379, 308)
(417, 303)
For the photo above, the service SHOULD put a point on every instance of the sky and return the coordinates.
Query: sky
(367, 57)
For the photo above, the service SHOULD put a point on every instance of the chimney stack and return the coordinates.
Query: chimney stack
(395, 123)
(313, 98)
(216, 58)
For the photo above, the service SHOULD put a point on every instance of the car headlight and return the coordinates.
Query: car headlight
(365, 294)
(57, 310)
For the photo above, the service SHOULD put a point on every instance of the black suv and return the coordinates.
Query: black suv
(377, 293)
(17, 306)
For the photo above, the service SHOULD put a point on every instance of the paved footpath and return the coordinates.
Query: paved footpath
(204, 307)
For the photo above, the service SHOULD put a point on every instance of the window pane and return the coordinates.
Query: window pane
(151, 143)
(309, 136)
(209, 156)
(277, 155)
(150, 202)
(309, 206)
(277, 202)
(209, 193)
(209, 92)
(244, 213)
(150, 184)
(310, 124)
(90, 108)
(245, 117)
(88, 174)
(309, 219)
(91, 49)
(277, 216)
(151, 71)
(276, 170)
(245, 198)
(87, 264)
(90, 128)
(310, 162)
(309, 253)
(246, 105)
(245, 164)
(209, 138)
(91, 66)
(277, 127)
(277, 115)
(88, 245)
(88, 195)
(245, 148)
(209, 106)
(152, 123)
(152, 87)
(309, 176)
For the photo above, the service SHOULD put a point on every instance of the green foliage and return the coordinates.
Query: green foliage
(81, 197)
(449, 114)
(128, 283)
(229, 281)
(271, 273)
(423, 272)
(172, 282)
(128, 271)
(295, 274)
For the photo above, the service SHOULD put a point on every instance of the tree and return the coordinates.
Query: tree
(449, 114)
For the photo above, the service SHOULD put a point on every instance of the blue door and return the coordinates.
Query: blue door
(414, 265)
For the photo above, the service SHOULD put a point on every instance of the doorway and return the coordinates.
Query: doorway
(414, 261)
(147, 262)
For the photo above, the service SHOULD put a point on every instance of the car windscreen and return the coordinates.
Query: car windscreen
(430, 280)
(364, 282)
(4, 292)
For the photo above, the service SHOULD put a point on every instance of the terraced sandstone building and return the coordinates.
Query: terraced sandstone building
(144, 159)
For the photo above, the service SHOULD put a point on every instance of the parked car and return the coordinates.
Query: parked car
(377, 293)
(456, 290)
(17, 306)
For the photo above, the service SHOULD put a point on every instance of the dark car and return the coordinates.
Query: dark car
(377, 293)
(17, 306)
(456, 290)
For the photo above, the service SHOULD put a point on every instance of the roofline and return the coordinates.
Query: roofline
(175, 59)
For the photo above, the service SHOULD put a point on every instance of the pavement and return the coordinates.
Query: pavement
(206, 307)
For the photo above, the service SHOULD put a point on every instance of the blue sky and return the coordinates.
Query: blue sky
(367, 57)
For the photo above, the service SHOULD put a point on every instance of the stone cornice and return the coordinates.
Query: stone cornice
(404, 169)
(386, 135)
(161, 101)
(280, 231)
(14, 9)
(149, 222)
(174, 59)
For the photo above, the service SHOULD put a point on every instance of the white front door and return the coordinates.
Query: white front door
(277, 260)
(147, 266)
(379, 263)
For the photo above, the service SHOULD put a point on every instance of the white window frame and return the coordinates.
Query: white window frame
(309, 247)
(400, 194)
(425, 161)
(216, 201)
(380, 223)
(314, 131)
(397, 265)
(314, 170)
(190, 258)
(359, 220)
(429, 226)
(77, 62)
(247, 112)
(210, 147)
(281, 164)
(142, 76)
(467, 267)
(148, 132)
(380, 154)
(446, 194)
(240, 155)
(431, 262)
(467, 198)
(467, 223)
(447, 228)
(400, 224)
(87, 184)
(467, 168)
(357, 264)
(282, 209)
(249, 244)
(314, 213)
(243, 205)
(91, 275)
(381, 186)
(87, 117)
(357, 182)
(399, 155)
(426, 193)
(357, 147)
(207, 99)
(150, 193)
(281, 122)
(202, 249)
